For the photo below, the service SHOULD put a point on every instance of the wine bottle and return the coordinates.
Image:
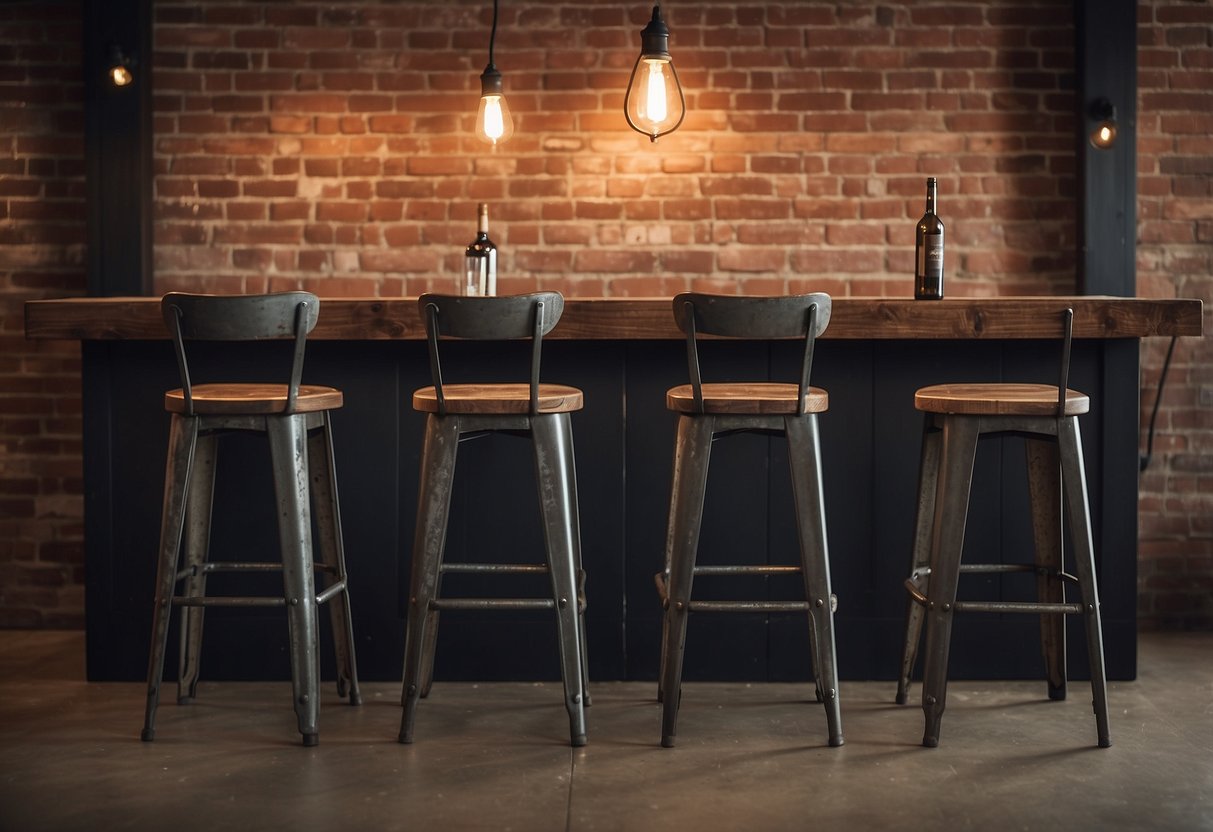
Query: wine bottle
(480, 276)
(928, 251)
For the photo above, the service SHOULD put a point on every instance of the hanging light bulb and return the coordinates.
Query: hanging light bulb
(494, 124)
(654, 104)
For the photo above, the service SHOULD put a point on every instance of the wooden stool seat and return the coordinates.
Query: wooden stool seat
(747, 398)
(999, 400)
(497, 399)
(251, 399)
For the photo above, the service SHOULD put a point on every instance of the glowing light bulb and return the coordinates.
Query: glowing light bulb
(1103, 112)
(494, 124)
(654, 108)
(121, 76)
(654, 104)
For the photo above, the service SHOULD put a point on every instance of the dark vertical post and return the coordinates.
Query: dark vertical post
(118, 147)
(118, 163)
(1106, 64)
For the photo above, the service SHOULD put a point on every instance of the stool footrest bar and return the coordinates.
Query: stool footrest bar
(748, 606)
(747, 570)
(1018, 606)
(495, 568)
(492, 604)
(226, 601)
(330, 591)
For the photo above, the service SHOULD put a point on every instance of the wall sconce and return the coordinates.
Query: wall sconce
(1104, 113)
(654, 104)
(493, 122)
(120, 66)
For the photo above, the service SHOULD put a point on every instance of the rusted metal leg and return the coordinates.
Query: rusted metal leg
(1074, 480)
(663, 583)
(1044, 483)
(438, 455)
(288, 454)
(182, 434)
(693, 450)
(197, 543)
(920, 554)
(582, 603)
(804, 456)
(556, 476)
(331, 548)
(947, 541)
(430, 647)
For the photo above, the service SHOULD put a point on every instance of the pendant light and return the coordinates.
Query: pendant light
(493, 122)
(654, 104)
(1103, 112)
(120, 67)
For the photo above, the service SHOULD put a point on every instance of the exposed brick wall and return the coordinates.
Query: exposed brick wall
(42, 239)
(1175, 258)
(328, 146)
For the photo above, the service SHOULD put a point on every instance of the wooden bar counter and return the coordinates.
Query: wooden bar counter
(623, 353)
(358, 319)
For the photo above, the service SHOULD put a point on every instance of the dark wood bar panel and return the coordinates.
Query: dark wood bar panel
(624, 354)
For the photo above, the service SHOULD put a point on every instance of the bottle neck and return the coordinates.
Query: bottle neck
(482, 221)
(931, 197)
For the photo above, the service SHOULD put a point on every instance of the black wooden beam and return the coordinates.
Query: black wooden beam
(118, 147)
(1106, 64)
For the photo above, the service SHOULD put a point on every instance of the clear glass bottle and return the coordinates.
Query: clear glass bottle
(480, 273)
(928, 251)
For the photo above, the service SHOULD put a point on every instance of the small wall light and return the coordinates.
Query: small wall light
(494, 124)
(120, 65)
(654, 104)
(1104, 113)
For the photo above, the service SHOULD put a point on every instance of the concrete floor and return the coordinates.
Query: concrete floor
(495, 756)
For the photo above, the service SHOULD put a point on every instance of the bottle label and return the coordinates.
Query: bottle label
(930, 257)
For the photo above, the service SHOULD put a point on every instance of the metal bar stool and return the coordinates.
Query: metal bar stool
(459, 412)
(710, 411)
(956, 417)
(295, 419)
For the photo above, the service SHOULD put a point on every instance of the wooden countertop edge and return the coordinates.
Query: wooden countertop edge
(361, 319)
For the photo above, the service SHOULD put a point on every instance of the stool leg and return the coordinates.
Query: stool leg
(804, 454)
(438, 455)
(920, 556)
(664, 576)
(693, 451)
(557, 479)
(288, 454)
(582, 603)
(1074, 480)
(947, 541)
(322, 469)
(197, 544)
(183, 432)
(1044, 486)
(430, 647)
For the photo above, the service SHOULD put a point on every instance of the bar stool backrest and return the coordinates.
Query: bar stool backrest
(500, 318)
(743, 316)
(1067, 327)
(240, 318)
